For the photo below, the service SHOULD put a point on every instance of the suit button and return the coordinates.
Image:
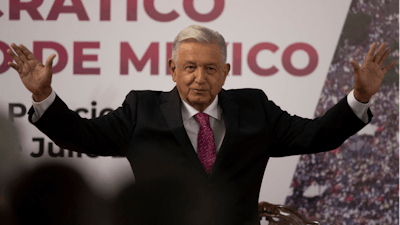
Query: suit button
(209, 185)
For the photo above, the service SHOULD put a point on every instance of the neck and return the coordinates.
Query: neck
(198, 107)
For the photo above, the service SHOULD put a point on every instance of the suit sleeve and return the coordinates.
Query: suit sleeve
(294, 135)
(108, 135)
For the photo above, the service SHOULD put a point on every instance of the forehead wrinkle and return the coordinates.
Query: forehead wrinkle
(195, 47)
(189, 53)
(203, 61)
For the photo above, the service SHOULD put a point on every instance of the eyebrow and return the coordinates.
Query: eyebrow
(188, 62)
(206, 64)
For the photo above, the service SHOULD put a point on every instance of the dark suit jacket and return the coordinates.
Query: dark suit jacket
(148, 130)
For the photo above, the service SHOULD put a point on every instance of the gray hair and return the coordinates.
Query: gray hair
(201, 34)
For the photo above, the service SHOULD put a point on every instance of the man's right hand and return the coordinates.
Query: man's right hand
(34, 75)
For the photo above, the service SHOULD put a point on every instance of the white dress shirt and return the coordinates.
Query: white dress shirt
(192, 127)
(214, 111)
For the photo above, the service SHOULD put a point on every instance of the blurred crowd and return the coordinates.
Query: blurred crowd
(43, 194)
(360, 178)
(57, 194)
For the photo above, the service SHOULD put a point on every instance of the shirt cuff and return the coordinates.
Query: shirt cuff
(359, 108)
(41, 107)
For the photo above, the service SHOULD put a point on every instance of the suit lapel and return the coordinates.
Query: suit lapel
(171, 109)
(231, 116)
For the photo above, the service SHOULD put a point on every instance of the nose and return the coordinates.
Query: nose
(200, 75)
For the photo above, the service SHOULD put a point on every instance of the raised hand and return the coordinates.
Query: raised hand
(34, 75)
(368, 78)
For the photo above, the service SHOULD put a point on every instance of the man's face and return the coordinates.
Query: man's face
(199, 73)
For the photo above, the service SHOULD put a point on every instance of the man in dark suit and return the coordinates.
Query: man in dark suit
(207, 146)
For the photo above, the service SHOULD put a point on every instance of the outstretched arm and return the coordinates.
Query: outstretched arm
(34, 75)
(102, 136)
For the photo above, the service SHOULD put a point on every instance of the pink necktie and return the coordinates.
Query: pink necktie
(205, 142)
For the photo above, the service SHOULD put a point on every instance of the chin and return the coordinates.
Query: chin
(197, 101)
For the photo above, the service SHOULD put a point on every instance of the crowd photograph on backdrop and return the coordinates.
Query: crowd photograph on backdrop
(361, 185)
(202, 143)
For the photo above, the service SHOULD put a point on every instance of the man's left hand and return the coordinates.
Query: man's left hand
(368, 77)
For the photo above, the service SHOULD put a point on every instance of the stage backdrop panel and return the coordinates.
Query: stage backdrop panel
(107, 48)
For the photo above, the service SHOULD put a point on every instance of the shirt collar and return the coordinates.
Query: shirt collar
(213, 110)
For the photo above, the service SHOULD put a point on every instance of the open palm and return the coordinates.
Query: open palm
(368, 77)
(34, 75)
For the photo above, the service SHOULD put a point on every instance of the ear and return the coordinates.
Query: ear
(172, 68)
(227, 68)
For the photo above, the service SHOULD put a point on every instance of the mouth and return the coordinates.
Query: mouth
(197, 90)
